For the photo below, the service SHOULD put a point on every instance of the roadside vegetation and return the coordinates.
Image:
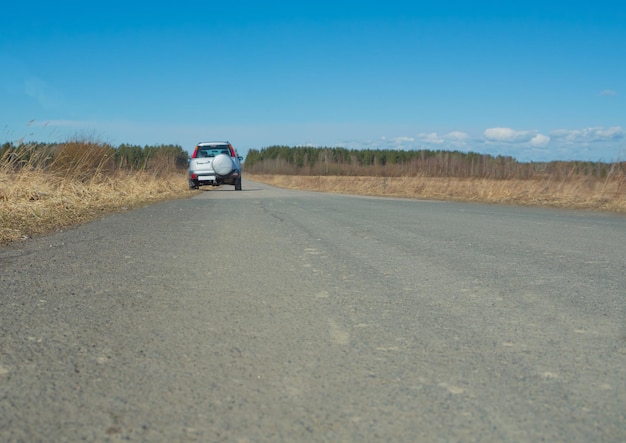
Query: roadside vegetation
(445, 175)
(46, 187)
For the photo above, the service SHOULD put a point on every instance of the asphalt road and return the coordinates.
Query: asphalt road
(274, 315)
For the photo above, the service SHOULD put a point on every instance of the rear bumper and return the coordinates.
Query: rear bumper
(202, 178)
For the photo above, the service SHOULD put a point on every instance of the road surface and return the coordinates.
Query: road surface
(275, 315)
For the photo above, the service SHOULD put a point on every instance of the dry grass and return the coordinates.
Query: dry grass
(34, 202)
(36, 199)
(43, 189)
(578, 193)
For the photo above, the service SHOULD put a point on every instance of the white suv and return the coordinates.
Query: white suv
(215, 164)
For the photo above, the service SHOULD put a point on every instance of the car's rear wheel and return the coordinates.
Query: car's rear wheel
(238, 185)
(193, 185)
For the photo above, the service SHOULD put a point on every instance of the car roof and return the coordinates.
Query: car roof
(213, 143)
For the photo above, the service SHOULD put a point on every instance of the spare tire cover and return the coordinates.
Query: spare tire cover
(223, 165)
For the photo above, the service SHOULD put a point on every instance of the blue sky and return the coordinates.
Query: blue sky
(537, 80)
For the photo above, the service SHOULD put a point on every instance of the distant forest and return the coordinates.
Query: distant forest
(124, 157)
(301, 160)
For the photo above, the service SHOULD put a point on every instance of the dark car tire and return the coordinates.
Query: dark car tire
(238, 185)
(193, 185)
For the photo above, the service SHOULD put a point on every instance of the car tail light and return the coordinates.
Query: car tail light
(194, 175)
(195, 153)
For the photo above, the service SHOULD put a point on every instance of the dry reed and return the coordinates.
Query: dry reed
(42, 191)
(575, 193)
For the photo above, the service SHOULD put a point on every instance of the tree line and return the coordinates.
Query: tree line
(304, 160)
(89, 154)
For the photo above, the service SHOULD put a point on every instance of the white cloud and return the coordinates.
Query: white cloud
(608, 93)
(540, 140)
(457, 136)
(612, 133)
(589, 135)
(432, 137)
(592, 143)
(508, 135)
(403, 140)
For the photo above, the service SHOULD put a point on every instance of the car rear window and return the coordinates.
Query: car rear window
(212, 151)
